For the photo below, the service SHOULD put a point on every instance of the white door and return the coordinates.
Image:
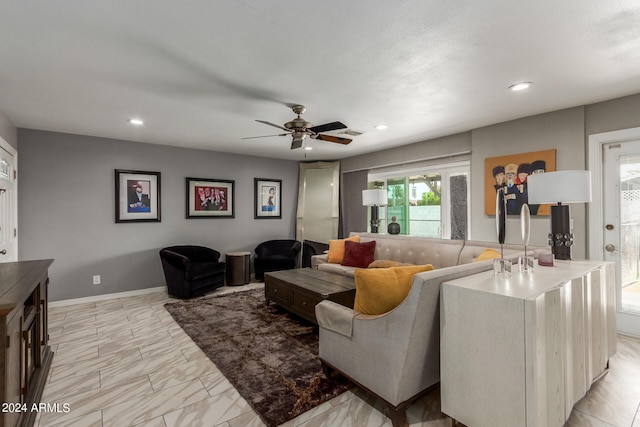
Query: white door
(8, 204)
(621, 226)
(621, 214)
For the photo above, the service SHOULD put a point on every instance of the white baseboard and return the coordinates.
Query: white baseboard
(64, 303)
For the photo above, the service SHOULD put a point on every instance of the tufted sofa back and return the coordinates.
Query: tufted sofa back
(415, 250)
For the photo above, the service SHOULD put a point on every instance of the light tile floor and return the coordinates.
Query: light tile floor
(125, 362)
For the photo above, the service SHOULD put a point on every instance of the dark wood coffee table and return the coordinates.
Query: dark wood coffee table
(299, 290)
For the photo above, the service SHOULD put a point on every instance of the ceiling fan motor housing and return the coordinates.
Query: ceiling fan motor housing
(298, 124)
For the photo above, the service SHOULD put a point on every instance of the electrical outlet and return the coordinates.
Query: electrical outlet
(96, 279)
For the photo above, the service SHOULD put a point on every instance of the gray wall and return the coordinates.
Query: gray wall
(66, 209)
(8, 131)
(440, 147)
(562, 130)
(565, 130)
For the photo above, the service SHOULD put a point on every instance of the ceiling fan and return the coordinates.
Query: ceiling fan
(299, 129)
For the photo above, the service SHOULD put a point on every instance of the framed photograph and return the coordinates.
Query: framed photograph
(210, 198)
(509, 174)
(137, 196)
(267, 198)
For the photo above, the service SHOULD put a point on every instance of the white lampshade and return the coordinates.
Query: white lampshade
(375, 197)
(559, 187)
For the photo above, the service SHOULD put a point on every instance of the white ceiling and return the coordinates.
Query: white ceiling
(198, 72)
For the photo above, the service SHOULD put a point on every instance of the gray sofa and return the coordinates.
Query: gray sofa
(441, 253)
(396, 355)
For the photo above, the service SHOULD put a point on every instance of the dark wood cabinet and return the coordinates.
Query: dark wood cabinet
(25, 355)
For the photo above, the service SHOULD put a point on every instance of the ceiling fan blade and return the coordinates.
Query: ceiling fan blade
(331, 138)
(297, 143)
(273, 124)
(327, 127)
(264, 136)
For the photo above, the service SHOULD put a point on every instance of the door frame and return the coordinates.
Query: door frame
(627, 322)
(10, 150)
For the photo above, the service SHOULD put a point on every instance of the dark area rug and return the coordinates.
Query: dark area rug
(270, 356)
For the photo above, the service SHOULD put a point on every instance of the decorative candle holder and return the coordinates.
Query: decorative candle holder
(525, 263)
(501, 266)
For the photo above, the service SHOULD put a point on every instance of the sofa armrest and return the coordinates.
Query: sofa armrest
(335, 317)
(319, 259)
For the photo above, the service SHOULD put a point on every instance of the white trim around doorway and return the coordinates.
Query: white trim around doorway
(627, 323)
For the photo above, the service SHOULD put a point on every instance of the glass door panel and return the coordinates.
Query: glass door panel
(425, 211)
(397, 204)
(630, 230)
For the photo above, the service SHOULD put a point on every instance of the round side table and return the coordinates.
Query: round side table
(238, 268)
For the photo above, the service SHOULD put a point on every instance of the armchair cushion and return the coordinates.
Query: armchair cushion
(336, 249)
(358, 254)
(381, 290)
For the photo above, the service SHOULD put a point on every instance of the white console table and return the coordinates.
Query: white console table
(522, 351)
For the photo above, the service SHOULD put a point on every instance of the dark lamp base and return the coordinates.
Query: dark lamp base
(561, 238)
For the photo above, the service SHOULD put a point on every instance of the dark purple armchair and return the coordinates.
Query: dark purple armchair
(191, 270)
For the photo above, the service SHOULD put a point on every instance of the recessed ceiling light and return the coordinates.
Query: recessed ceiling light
(381, 126)
(308, 148)
(520, 86)
(136, 122)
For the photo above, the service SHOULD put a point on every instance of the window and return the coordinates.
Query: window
(430, 201)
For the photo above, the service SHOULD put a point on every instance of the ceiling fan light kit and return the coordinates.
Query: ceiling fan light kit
(299, 129)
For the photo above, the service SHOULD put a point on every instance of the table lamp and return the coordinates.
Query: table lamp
(374, 198)
(559, 189)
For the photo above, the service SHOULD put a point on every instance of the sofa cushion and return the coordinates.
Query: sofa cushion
(380, 290)
(336, 249)
(386, 263)
(358, 254)
(488, 253)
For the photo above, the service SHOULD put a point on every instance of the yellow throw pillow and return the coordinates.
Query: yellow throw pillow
(336, 249)
(488, 254)
(380, 290)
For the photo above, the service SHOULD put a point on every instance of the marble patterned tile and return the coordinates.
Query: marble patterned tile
(74, 336)
(614, 397)
(209, 412)
(185, 372)
(215, 382)
(94, 419)
(110, 361)
(109, 346)
(156, 422)
(70, 355)
(143, 367)
(426, 411)
(69, 386)
(182, 343)
(106, 396)
(248, 419)
(351, 413)
(83, 343)
(145, 408)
